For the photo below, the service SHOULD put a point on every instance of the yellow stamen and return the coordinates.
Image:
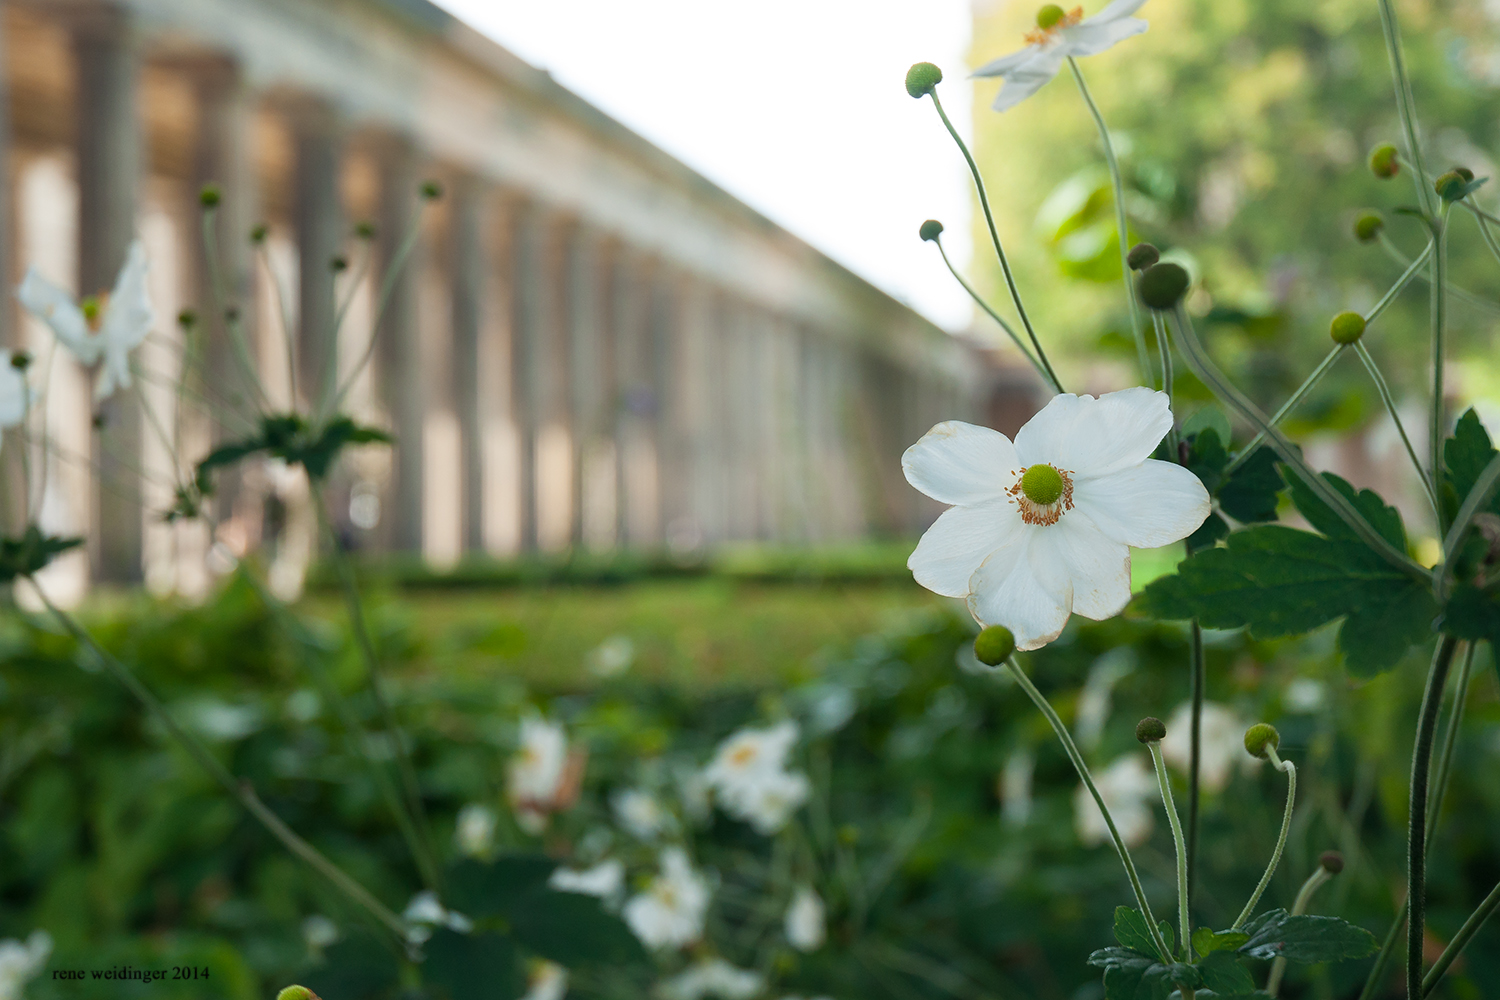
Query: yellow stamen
(1043, 493)
(1050, 20)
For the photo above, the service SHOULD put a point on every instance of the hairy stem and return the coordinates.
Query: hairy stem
(1439, 319)
(1306, 387)
(1389, 401)
(1184, 922)
(1405, 105)
(1454, 291)
(1010, 330)
(1286, 824)
(1416, 855)
(1299, 907)
(1195, 755)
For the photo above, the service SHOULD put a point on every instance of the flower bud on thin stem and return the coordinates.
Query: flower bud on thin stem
(922, 79)
(209, 196)
(1346, 328)
(1142, 256)
(1150, 730)
(1383, 161)
(930, 230)
(1161, 286)
(296, 993)
(994, 645)
(1184, 921)
(431, 190)
(20, 360)
(1368, 226)
(1266, 740)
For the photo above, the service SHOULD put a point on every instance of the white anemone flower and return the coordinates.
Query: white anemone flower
(751, 752)
(474, 832)
(670, 912)
(1042, 528)
(21, 962)
(15, 394)
(748, 775)
(640, 812)
(806, 926)
(604, 880)
(548, 981)
(1060, 35)
(1222, 747)
(1128, 787)
(100, 328)
(424, 913)
(543, 776)
(713, 978)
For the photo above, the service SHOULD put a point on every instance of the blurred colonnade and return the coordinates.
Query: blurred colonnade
(592, 347)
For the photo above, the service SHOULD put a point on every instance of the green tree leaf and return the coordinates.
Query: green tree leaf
(1306, 939)
(1206, 941)
(1222, 972)
(1465, 455)
(1132, 931)
(479, 966)
(30, 552)
(1473, 614)
(574, 930)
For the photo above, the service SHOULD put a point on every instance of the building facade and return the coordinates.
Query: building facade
(588, 345)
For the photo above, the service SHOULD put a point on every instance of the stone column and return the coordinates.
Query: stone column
(691, 397)
(533, 316)
(469, 263)
(109, 162)
(11, 465)
(398, 346)
(588, 389)
(634, 403)
(318, 219)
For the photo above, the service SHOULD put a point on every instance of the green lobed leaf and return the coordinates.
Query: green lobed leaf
(1207, 417)
(1473, 614)
(1206, 941)
(1386, 520)
(481, 890)
(1306, 939)
(1222, 972)
(479, 966)
(1465, 455)
(30, 552)
(574, 930)
(1131, 983)
(1109, 958)
(1132, 931)
(1250, 494)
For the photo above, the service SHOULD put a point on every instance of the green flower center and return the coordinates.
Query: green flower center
(1042, 484)
(1049, 16)
(91, 307)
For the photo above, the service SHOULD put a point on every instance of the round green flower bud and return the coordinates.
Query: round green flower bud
(1451, 186)
(365, 230)
(1049, 15)
(1150, 730)
(930, 230)
(1260, 736)
(296, 993)
(187, 319)
(922, 78)
(20, 360)
(1332, 862)
(1383, 161)
(1464, 172)
(1142, 256)
(1346, 328)
(1160, 286)
(431, 190)
(209, 196)
(994, 645)
(258, 234)
(1368, 226)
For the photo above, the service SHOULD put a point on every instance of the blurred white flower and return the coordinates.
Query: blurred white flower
(474, 833)
(1095, 700)
(106, 327)
(1058, 36)
(695, 793)
(1128, 787)
(670, 912)
(1042, 528)
(318, 932)
(604, 880)
(543, 776)
(1223, 744)
(749, 776)
(1305, 695)
(15, 394)
(612, 657)
(805, 920)
(20, 962)
(640, 813)
(548, 981)
(424, 912)
(1015, 786)
(713, 977)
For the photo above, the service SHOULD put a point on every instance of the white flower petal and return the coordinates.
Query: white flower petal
(961, 463)
(1024, 587)
(56, 308)
(1150, 505)
(1005, 65)
(959, 541)
(1092, 37)
(1092, 437)
(127, 319)
(1027, 78)
(14, 396)
(1115, 11)
(1099, 567)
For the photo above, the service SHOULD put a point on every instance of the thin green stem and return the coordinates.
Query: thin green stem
(1479, 495)
(241, 790)
(1304, 897)
(1010, 331)
(1307, 386)
(1382, 387)
(1184, 923)
(1484, 231)
(1071, 748)
(1290, 770)
(989, 218)
(1208, 372)
(1461, 940)
(1454, 291)
(1405, 105)
(1121, 223)
(1439, 319)
(1164, 355)
(1412, 270)
(1195, 750)
(1450, 740)
(222, 308)
(285, 314)
(1416, 855)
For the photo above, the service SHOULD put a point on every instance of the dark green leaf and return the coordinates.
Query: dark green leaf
(1206, 941)
(1306, 939)
(1208, 533)
(1473, 614)
(574, 930)
(1466, 453)
(1132, 931)
(1207, 418)
(1109, 958)
(1182, 974)
(1132, 983)
(1384, 519)
(1280, 581)
(481, 890)
(479, 966)
(359, 967)
(1223, 973)
(30, 552)
(1250, 494)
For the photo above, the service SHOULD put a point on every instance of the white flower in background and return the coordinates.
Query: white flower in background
(612, 657)
(1222, 747)
(318, 932)
(543, 776)
(670, 912)
(1096, 698)
(424, 913)
(806, 929)
(15, 394)
(694, 792)
(716, 978)
(604, 880)
(749, 776)
(474, 833)
(20, 962)
(1128, 787)
(1304, 695)
(1015, 786)
(1059, 35)
(106, 327)
(751, 752)
(1042, 528)
(548, 981)
(769, 801)
(640, 813)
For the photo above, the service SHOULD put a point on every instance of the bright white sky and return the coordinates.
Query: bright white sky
(794, 106)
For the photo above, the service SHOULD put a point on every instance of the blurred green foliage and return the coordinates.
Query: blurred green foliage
(939, 880)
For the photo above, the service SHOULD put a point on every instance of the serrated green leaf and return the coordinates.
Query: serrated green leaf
(1306, 939)
(30, 552)
(1208, 534)
(1207, 418)
(1132, 931)
(481, 890)
(1250, 494)
(1207, 941)
(1223, 973)
(1386, 520)
(1280, 581)
(1108, 958)
(1132, 983)
(479, 966)
(1473, 614)
(574, 930)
